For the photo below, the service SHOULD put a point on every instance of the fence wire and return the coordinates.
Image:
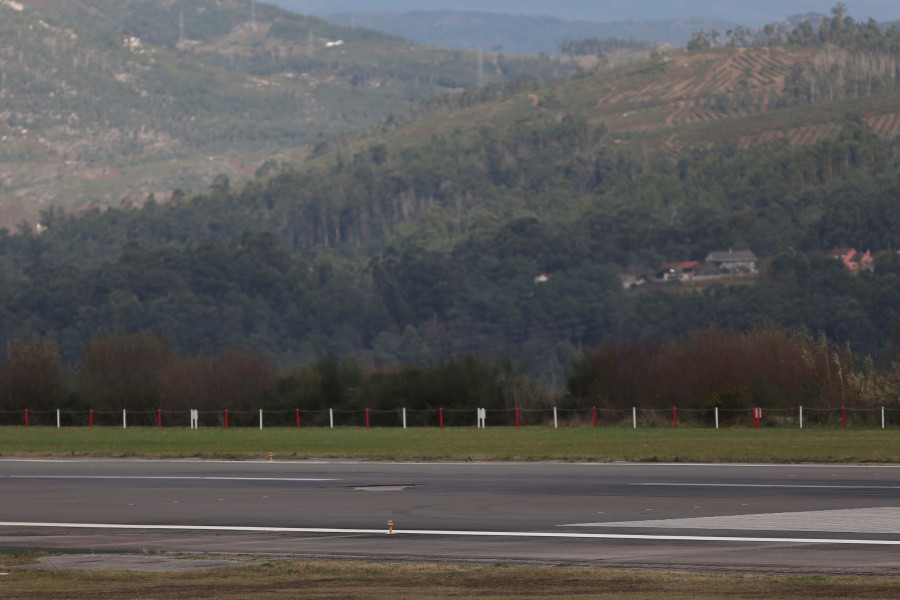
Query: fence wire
(872, 417)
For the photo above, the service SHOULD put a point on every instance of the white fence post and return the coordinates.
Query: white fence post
(124, 420)
(331, 418)
(404, 417)
(634, 416)
(57, 418)
(260, 419)
(717, 417)
(555, 420)
(482, 418)
(882, 417)
(801, 417)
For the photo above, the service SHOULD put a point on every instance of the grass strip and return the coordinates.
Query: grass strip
(578, 444)
(288, 579)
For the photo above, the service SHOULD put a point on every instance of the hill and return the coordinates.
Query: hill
(497, 221)
(677, 101)
(519, 34)
(108, 101)
(753, 14)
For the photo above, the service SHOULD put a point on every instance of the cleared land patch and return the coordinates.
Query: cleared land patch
(288, 579)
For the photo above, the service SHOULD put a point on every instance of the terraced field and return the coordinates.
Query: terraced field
(698, 87)
(686, 99)
(887, 125)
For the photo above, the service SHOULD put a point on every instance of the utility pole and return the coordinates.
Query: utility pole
(480, 68)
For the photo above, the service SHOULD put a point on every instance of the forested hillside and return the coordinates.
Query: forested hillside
(499, 223)
(105, 101)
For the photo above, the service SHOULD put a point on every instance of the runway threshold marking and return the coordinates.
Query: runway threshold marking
(430, 532)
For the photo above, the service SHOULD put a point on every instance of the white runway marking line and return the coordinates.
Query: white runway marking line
(170, 477)
(428, 532)
(339, 462)
(771, 485)
(881, 520)
(174, 461)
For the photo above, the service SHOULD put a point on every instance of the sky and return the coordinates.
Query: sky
(747, 12)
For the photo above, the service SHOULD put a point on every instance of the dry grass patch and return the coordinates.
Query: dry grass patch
(286, 579)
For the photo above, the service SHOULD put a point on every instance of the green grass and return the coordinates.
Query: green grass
(288, 579)
(662, 444)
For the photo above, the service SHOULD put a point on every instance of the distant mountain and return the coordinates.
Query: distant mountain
(518, 34)
(749, 14)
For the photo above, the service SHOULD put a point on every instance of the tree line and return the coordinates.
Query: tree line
(839, 30)
(856, 59)
(768, 366)
(143, 373)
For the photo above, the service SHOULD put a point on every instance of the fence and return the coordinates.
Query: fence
(441, 417)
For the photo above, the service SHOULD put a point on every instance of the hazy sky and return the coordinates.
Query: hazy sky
(749, 12)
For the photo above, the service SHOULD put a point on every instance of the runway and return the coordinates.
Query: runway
(757, 518)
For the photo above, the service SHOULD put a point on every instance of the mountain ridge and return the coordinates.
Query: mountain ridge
(518, 34)
(754, 14)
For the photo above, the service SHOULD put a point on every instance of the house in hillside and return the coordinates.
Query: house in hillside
(673, 271)
(853, 260)
(733, 261)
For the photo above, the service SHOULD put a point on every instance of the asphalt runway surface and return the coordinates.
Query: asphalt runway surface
(753, 518)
